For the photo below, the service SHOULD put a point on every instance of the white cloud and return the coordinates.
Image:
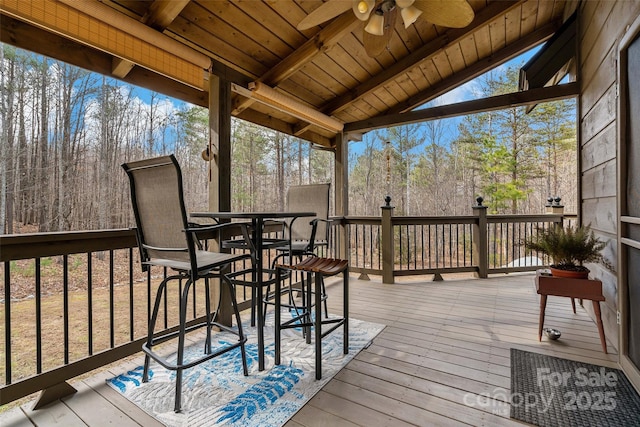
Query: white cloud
(465, 92)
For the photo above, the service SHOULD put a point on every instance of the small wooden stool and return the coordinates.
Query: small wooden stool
(321, 268)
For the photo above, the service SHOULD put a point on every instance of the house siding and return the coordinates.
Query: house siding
(602, 24)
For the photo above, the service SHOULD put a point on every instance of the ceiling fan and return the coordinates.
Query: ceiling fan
(380, 16)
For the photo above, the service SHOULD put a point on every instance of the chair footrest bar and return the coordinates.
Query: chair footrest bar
(173, 367)
(171, 335)
(289, 323)
(333, 328)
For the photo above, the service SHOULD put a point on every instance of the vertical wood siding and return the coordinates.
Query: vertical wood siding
(602, 24)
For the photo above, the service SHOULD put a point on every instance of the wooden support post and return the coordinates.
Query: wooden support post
(387, 243)
(480, 247)
(554, 207)
(342, 193)
(220, 167)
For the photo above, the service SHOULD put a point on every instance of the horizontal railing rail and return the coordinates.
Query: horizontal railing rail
(79, 300)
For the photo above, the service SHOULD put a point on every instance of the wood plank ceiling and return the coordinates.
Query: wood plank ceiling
(324, 67)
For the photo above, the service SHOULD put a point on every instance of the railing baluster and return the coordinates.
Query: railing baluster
(357, 246)
(496, 239)
(38, 316)
(506, 239)
(374, 246)
(515, 245)
(367, 251)
(421, 246)
(374, 241)
(415, 247)
(429, 246)
(400, 246)
(442, 240)
(112, 335)
(450, 245)
(457, 232)
(90, 301)
(131, 296)
(464, 245)
(65, 305)
(417, 236)
(7, 321)
(443, 246)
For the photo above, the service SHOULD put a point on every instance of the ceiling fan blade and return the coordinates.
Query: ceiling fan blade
(325, 12)
(374, 45)
(447, 13)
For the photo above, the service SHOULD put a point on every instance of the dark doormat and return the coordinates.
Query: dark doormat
(552, 392)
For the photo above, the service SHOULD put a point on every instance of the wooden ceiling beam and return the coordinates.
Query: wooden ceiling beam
(425, 52)
(500, 57)
(318, 44)
(270, 122)
(160, 14)
(516, 99)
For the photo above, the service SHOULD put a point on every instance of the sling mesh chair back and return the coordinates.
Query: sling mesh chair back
(166, 239)
(303, 235)
(307, 235)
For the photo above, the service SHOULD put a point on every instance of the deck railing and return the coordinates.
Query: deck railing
(98, 303)
(442, 245)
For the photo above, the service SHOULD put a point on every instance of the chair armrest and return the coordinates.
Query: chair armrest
(272, 225)
(226, 227)
(314, 223)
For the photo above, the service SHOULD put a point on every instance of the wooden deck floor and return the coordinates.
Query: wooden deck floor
(445, 344)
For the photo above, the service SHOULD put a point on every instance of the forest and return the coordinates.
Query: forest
(66, 131)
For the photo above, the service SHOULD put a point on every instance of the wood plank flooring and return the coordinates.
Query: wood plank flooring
(442, 360)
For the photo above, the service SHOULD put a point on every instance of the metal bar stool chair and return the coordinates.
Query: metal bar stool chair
(302, 237)
(166, 239)
(316, 268)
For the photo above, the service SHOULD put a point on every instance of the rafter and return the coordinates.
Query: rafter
(424, 53)
(503, 55)
(319, 43)
(270, 122)
(161, 13)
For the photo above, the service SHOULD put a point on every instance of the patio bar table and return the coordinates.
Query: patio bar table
(257, 225)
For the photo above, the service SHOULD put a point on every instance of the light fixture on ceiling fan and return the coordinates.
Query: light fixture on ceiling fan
(380, 16)
(363, 10)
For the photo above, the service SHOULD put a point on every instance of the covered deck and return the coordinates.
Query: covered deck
(445, 345)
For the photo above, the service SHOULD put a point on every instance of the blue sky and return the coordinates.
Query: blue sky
(465, 92)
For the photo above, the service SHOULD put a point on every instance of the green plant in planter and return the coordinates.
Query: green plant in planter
(568, 247)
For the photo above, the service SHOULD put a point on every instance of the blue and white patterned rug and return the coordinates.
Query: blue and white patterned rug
(215, 393)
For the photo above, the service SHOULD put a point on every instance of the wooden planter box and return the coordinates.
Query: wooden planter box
(572, 288)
